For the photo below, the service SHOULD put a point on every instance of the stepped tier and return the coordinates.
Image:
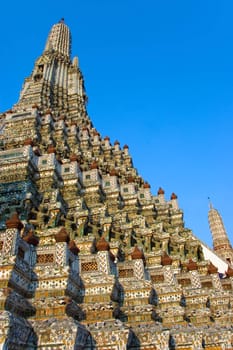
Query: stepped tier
(90, 258)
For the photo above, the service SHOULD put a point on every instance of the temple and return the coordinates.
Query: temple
(90, 258)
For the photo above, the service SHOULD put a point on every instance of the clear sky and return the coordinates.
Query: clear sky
(159, 76)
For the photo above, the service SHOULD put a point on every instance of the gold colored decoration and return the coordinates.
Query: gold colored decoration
(45, 258)
(126, 273)
(89, 266)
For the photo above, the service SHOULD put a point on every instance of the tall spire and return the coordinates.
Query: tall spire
(55, 83)
(221, 243)
(59, 39)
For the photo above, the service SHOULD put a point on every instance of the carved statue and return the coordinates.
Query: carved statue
(54, 216)
(156, 242)
(173, 246)
(147, 242)
(127, 239)
(81, 229)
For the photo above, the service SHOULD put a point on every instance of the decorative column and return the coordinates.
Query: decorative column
(139, 260)
(104, 256)
(221, 243)
(16, 287)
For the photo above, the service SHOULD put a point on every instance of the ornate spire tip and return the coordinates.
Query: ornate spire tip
(210, 203)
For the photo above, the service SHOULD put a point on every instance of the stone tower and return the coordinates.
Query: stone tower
(90, 258)
(221, 243)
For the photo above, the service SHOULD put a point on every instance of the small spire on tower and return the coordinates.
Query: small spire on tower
(221, 242)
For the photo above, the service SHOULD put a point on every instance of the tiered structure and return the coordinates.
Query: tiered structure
(90, 259)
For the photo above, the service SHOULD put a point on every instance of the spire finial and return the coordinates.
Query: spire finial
(59, 39)
(210, 203)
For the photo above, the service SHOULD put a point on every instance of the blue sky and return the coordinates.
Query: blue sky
(159, 76)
